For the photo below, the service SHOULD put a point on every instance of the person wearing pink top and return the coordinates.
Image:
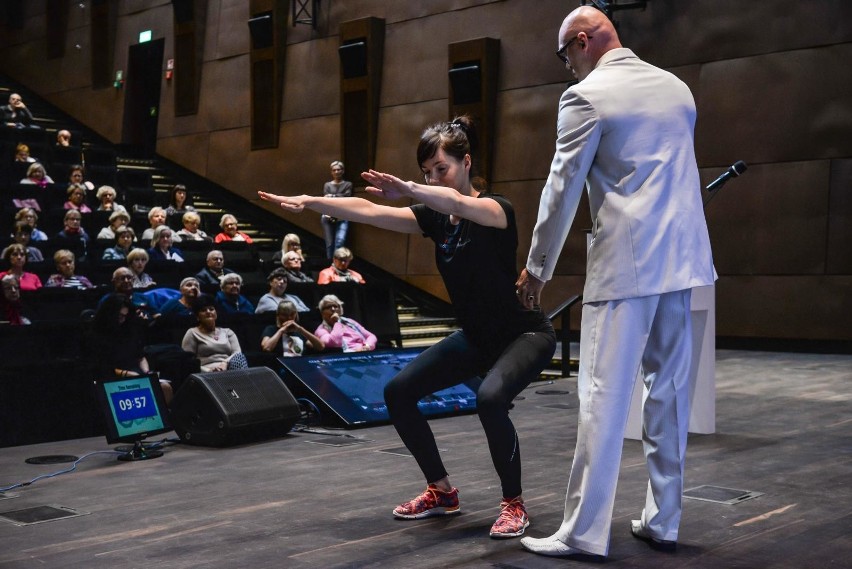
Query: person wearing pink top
(335, 331)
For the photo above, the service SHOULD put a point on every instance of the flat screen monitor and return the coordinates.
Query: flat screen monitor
(352, 385)
(134, 409)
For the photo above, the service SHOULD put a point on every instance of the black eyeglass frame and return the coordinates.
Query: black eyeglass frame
(560, 53)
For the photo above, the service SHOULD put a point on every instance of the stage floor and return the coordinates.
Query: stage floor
(783, 430)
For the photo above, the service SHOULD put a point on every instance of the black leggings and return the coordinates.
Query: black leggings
(452, 361)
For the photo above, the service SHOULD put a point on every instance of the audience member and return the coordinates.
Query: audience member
(190, 232)
(216, 348)
(16, 255)
(179, 201)
(335, 331)
(76, 198)
(66, 264)
(339, 270)
(36, 175)
(16, 114)
(137, 259)
(269, 302)
(161, 246)
(77, 176)
(117, 341)
(23, 235)
(229, 300)
(22, 154)
(292, 263)
(118, 218)
(291, 242)
(156, 217)
(229, 226)
(11, 308)
(30, 216)
(334, 230)
(182, 306)
(73, 236)
(288, 336)
(215, 269)
(124, 237)
(106, 197)
(63, 138)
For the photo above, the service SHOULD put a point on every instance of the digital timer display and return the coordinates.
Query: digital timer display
(133, 406)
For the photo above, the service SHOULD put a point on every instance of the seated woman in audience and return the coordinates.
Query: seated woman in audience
(77, 176)
(73, 236)
(230, 232)
(76, 198)
(137, 259)
(117, 341)
(291, 242)
(190, 232)
(339, 271)
(156, 217)
(217, 348)
(66, 264)
(30, 216)
(161, 246)
(16, 255)
(287, 336)
(277, 294)
(182, 306)
(292, 263)
(106, 197)
(23, 235)
(22, 154)
(124, 237)
(335, 331)
(116, 219)
(11, 308)
(229, 300)
(36, 174)
(179, 201)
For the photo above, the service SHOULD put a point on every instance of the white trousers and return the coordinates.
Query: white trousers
(617, 339)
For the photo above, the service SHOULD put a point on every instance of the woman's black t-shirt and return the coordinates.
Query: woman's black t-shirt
(478, 265)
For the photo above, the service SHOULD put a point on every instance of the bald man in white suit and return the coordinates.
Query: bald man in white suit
(625, 133)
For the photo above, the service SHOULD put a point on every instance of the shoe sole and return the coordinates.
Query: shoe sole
(441, 511)
(656, 544)
(504, 535)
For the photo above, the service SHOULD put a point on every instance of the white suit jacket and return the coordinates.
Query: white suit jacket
(628, 128)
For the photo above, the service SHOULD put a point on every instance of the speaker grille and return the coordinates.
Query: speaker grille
(249, 396)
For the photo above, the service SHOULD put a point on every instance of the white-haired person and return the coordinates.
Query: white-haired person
(334, 229)
(229, 300)
(190, 290)
(339, 271)
(291, 261)
(37, 175)
(161, 246)
(118, 218)
(214, 269)
(230, 230)
(137, 260)
(156, 218)
(106, 197)
(66, 275)
(287, 336)
(190, 231)
(30, 216)
(337, 331)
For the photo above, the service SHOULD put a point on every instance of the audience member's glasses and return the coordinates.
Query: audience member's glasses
(560, 53)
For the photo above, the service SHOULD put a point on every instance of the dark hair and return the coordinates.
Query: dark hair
(105, 320)
(179, 188)
(456, 138)
(279, 272)
(202, 302)
(23, 227)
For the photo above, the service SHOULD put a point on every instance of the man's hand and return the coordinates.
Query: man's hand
(528, 288)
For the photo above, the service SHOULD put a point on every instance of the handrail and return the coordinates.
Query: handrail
(564, 311)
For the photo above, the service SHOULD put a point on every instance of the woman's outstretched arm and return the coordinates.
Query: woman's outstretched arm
(351, 209)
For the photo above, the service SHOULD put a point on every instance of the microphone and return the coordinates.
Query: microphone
(738, 168)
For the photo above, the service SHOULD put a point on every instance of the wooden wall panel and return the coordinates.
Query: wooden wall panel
(772, 220)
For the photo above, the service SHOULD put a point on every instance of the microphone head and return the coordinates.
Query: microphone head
(739, 167)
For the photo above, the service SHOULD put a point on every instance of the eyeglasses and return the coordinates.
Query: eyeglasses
(331, 307)
(560, 53)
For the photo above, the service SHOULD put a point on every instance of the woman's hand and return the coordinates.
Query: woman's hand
(386, 186)
(296, 204)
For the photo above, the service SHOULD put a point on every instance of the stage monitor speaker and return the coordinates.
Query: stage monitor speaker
(261, 30)
(466, 80)
(353, 58)
(233, 407)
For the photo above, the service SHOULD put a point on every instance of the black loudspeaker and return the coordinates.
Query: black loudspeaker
(260, 28)
(466, 80)
(353, 58)
(233, 407)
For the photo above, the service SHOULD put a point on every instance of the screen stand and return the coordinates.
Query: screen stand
(139, 452)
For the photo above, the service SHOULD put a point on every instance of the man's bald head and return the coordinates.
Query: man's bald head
(588, 35)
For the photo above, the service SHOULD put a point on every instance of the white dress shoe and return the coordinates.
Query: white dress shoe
(550, 546)
(640, 532)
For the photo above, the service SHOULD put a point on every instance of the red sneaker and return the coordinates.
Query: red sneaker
(432, 502)
(512, 520)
